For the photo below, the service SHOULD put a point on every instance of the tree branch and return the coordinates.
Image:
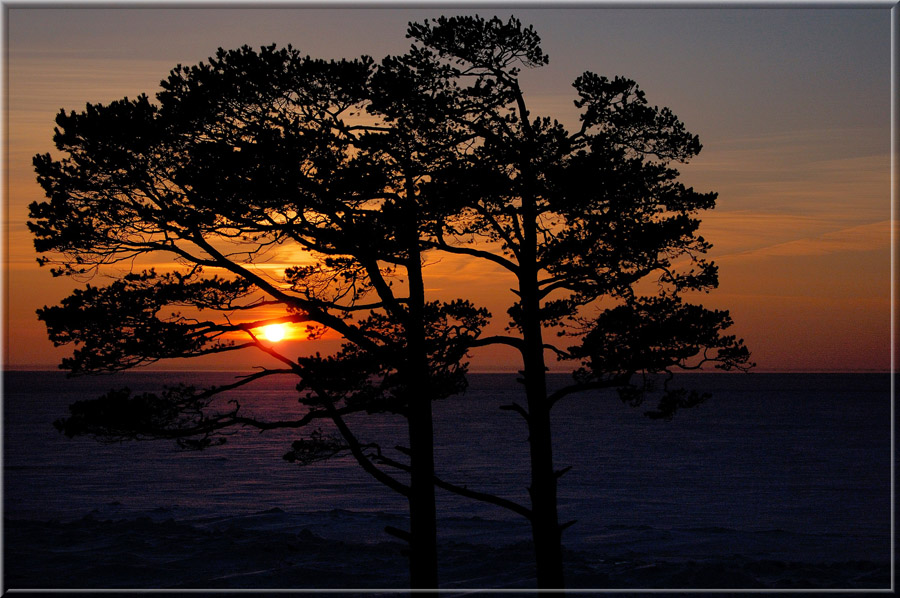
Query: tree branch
(517, 408)
(357, 451)
(511, 341)
(443, 246)
(561, 393)
(463, 490)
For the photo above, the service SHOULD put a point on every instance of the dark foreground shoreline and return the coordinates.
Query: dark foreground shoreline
(145, 554)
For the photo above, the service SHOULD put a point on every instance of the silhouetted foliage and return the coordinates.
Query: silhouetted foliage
(365, 167)
(594, 226)
(247, 154)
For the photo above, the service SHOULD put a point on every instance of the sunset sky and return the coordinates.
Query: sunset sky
(792, 107)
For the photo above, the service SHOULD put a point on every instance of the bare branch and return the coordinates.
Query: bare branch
(517, 408)
(462, 490)
(485, 255)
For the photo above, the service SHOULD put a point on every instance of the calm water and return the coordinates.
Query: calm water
(789, 466)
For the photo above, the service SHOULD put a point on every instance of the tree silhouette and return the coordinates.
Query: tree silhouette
(365, 168)
(594, 226)
(250, 153)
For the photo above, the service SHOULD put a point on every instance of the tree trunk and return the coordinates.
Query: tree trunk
(422, 511)
(545, 520)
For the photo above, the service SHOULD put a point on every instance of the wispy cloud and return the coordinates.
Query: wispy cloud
(866, 237)
(832, 174)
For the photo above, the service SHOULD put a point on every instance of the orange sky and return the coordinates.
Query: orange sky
(792, 107)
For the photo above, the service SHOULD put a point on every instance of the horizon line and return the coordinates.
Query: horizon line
(44, 369)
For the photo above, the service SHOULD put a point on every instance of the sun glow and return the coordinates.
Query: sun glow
(274, 332)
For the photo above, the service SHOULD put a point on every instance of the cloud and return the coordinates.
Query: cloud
(866, 237)
(834, 174)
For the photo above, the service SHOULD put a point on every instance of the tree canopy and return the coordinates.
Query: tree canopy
(593, 224)
(251, 152)
(362, 169)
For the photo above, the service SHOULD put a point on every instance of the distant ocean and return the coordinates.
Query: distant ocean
(778, 481)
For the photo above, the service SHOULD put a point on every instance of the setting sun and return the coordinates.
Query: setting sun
(274, 332)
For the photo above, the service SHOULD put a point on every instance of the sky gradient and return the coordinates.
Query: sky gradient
(792, 107)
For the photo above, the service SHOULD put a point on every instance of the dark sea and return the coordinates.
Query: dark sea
(779, 481)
